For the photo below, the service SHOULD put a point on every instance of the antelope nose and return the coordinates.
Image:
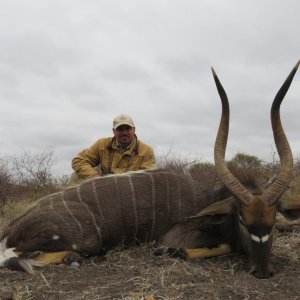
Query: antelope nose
(262, 274)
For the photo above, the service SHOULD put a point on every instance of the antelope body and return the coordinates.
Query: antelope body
(105, 212)
(159, 205)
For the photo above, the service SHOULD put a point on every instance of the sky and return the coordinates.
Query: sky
(68, 67)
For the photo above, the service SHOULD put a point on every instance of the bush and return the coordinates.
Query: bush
(6, 181)
(203, 172)
(28, 177)
(33, 171)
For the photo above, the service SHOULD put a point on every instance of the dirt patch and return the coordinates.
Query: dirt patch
(135, 274)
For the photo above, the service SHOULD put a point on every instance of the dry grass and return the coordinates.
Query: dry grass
(134, 273)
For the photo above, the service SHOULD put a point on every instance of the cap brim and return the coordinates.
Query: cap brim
(120, 124)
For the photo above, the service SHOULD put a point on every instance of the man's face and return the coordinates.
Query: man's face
(124, 134)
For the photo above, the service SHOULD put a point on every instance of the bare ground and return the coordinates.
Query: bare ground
(134, 273)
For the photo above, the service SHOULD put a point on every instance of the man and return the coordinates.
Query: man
(118, 154)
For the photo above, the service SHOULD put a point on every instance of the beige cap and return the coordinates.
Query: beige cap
(122, 120)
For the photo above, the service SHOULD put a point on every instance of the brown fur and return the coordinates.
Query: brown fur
(258, 212)
(125, 209)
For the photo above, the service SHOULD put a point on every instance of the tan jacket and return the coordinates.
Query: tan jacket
(111, 160)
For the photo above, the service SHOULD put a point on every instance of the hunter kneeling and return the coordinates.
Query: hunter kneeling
(112, 155)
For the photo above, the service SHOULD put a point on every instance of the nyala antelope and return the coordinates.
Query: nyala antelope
(159, 205)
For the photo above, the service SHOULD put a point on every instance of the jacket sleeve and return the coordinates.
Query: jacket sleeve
(149, 161)
(84, 162)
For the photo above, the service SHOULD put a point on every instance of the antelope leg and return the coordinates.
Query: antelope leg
(61, 257)
(203, 252)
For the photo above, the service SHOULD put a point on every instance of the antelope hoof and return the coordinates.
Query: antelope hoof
(73, 259)
(174, 252)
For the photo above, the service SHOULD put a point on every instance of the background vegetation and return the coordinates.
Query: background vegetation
(29, 176)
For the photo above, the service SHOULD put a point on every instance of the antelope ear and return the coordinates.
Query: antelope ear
(289, 207)
(217, 212)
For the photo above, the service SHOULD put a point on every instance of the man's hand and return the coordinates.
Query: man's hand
(96, 175)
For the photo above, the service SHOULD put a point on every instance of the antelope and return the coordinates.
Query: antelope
(159, 205)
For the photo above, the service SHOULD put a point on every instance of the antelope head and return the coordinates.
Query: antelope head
(256, 212)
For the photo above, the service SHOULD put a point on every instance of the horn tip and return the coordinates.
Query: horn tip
(214, 72)
(297, 64)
